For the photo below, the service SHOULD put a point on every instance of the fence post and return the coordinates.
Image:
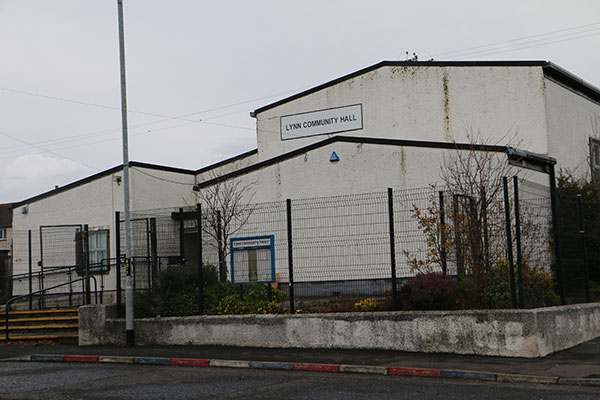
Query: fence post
(181, 237)
(509, 250)
(392, 248)
(86, 262)
(222, 271)
(118, 257)
(518, 237)
(41, 298)
(288, 204)
(443, 234)
(153, 250)
(583, 249)
(555, 228)
(200, 261)
(30, 265)
(460, 260)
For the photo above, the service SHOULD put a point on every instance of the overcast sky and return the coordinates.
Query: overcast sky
(216, 61)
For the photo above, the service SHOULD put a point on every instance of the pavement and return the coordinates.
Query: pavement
(576, 366)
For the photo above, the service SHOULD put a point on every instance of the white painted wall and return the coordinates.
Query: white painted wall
(94, 203)
(363, 168)
(153, 188)
(426, 103)
(228, 167)
(570, 117)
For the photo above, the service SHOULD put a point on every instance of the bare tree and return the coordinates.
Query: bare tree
(226, 209)
(473, 232)
(474, 180)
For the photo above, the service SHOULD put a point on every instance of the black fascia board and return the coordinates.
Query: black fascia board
(353, 139)
(99, 175)
(381, 64)
(69, 186)
(161, 168)
(566, 78)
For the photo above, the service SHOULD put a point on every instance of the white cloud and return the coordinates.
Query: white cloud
(36, 173)
(40, 167)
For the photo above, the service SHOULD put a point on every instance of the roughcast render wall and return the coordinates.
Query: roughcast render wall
(512, 333)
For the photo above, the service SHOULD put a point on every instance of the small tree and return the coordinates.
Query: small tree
(227, 209)
(472, 181)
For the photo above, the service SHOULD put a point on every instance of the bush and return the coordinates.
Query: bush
(366, 305)
(429, 291)
(537, 285)
(572, 260)
(175, 293)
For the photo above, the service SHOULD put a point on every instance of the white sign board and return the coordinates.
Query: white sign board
(252, 259)
(332, 120)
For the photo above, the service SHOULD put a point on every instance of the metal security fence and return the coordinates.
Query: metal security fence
(328, 253)
(50, 263)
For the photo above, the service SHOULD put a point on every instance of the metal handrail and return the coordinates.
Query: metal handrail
(23, 275)
(15, 298)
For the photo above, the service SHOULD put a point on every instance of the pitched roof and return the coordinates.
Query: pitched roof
(132, 164)
(99, 175)
(551, 71)
(511, 152)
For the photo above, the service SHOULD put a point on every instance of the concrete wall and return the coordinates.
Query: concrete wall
(572, 119)
(425, 103)
(512, 333)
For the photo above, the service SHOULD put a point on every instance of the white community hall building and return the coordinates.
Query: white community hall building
(389, 125)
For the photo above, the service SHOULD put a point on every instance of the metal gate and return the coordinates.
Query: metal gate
(60, 246)
(61, 258)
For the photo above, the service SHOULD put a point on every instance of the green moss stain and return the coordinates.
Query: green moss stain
(403, 165)
(447, 133)
(409, 72)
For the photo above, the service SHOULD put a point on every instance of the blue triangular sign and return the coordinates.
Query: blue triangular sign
(334, 157)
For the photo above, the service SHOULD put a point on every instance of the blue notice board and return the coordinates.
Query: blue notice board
(252, 259)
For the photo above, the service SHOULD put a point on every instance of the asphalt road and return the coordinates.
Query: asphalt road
(47, 380)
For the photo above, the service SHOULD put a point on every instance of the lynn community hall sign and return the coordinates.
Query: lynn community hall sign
(332, 120)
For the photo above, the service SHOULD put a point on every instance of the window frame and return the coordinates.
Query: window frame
(96, 250)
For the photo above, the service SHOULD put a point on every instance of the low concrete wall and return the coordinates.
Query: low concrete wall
(512, 333)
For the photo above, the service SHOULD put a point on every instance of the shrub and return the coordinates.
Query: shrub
(231, 304)
(429, 291)
(366, 305)
(175, 293)
(537, 285)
